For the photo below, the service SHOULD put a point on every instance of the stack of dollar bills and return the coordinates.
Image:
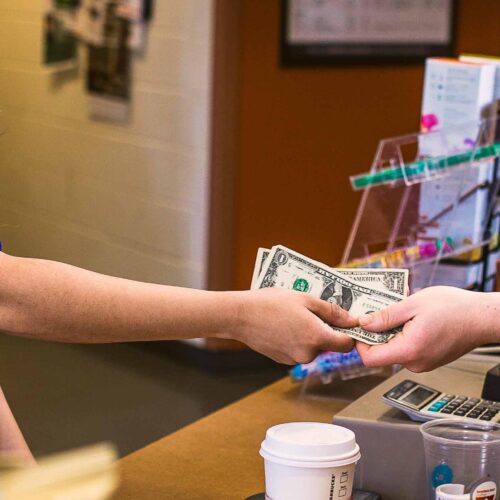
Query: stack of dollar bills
(359, 291)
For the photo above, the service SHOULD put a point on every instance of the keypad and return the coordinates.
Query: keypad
(448, 404)
(461, 406)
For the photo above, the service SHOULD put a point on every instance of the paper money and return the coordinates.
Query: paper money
(389, 280)
(285, 268)
(262, 254)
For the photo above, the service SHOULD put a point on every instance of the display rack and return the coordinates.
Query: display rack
(336, 372)
(428, 205)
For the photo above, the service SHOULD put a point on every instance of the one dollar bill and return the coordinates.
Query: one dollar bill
(285, 268)
(262, 255)
(385, 280)
(388, 280)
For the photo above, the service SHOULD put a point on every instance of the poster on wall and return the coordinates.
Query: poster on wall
(111, 30)
(108, 73)
(139, 13)
(67, 12)
(90, 23)
(328, 32)
(133, 11)
(147, 13)
(60, 47)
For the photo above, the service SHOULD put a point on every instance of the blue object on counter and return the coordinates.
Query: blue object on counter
(326, 362)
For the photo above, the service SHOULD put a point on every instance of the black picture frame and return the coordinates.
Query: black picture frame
(332, 54)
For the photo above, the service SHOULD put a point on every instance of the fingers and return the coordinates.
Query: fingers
(403, 349)
(395, 351)
(390, 317)
(337, 342)
(331, 313)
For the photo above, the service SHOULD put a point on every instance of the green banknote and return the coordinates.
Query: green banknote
(388, 280)
(285, 268)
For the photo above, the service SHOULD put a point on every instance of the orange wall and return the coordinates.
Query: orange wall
(303, 131)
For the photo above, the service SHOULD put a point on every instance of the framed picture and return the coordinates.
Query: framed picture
(329, 32)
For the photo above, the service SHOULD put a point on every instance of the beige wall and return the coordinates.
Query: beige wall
(129, 200)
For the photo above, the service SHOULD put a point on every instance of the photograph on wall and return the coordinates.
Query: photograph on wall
(67, 12)
(108, 73)
(147, 13)
(132, 11)
(90, 24)
(60, 48)
(138, 12)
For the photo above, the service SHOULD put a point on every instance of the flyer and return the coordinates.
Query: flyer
(108, 74)
(60, 48)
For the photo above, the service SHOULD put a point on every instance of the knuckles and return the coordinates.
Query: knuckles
(336, 311)
(306, 352)
(304, 357)
(345, 345)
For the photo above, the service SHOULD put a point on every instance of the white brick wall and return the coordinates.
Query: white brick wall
(129, 200)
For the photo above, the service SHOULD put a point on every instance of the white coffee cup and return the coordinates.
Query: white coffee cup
(451, 492)
(309, 460)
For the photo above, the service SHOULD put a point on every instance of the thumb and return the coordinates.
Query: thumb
(388, 318)
(331, 313)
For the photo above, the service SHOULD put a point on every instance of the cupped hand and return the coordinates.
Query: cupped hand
(291, 327)
(440, 324)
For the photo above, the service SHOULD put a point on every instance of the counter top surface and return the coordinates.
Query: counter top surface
(217, 457)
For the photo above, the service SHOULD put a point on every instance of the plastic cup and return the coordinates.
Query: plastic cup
(309, 460)
(460, 451)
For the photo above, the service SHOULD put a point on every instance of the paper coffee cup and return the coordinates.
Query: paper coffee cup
(309, 460)
(451, 492)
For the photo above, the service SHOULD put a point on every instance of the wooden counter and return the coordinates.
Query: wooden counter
(218, 457)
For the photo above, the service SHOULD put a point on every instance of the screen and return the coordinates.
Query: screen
(416, 397)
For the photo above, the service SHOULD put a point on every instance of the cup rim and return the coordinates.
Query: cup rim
(485, 425)
(311, 462)
(320, 455)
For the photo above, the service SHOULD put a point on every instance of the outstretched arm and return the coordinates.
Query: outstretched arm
(440, 324)
(12, 443)
(54, 301)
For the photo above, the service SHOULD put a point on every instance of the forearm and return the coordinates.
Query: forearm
(487, 316)
(12, 442)
(54, 301)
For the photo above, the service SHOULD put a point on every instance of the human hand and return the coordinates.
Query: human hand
(291, 327)
(440, 324)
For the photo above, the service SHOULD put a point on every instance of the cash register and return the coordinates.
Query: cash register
(386, 422)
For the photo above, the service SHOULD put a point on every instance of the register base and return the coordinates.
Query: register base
(392, 452)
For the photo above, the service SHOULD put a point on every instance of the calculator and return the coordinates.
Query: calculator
(422, 403)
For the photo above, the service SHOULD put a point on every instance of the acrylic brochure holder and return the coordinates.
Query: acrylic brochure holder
(338, 375)
(429, 204)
